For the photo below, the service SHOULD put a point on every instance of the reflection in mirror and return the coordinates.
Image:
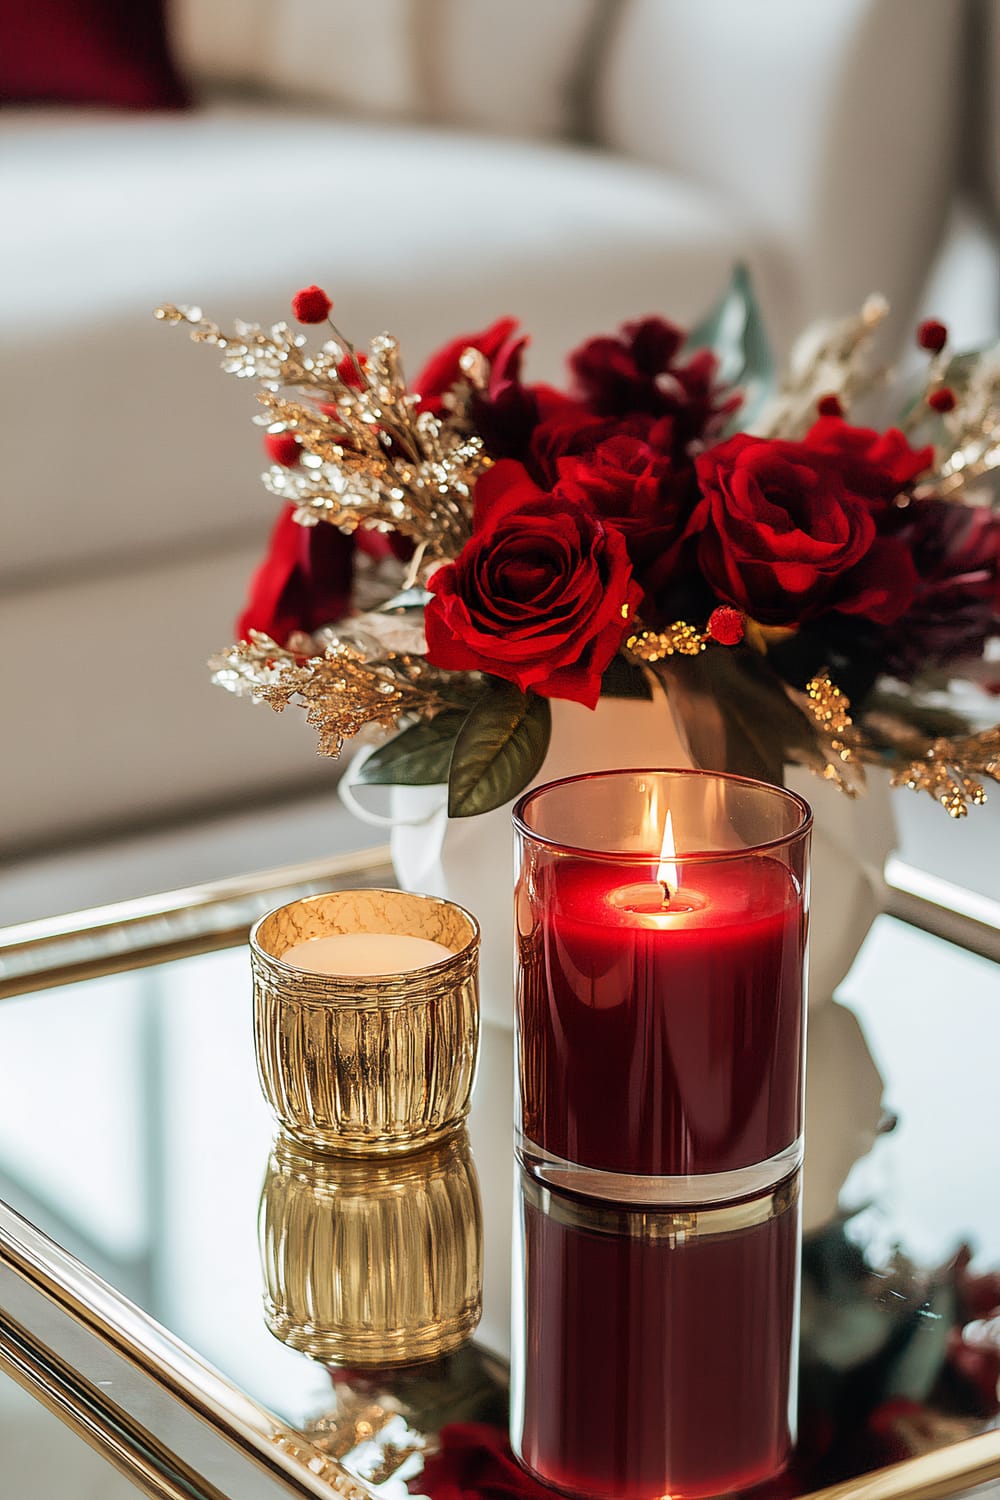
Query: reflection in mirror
(41, 1459)
(369, 1264)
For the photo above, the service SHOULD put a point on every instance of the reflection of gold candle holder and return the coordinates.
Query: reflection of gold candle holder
(370, 1264)
(367, 1064)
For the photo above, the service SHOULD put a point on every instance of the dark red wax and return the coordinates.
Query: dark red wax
(652, 1369)
(662, 1043)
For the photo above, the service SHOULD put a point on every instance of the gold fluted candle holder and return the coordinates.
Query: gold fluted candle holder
(367, 1065)
(370, 1264)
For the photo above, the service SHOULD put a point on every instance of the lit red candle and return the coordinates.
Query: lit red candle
(660, 1054)
(664, 1038)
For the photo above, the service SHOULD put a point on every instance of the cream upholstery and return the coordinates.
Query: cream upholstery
(773, 132)
(833, 126)
(471, 63)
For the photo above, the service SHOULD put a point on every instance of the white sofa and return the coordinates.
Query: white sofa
(414, 156)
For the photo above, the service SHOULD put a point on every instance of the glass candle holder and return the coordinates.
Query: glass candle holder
(372, 1264)
(370, 1063)
(661, 922)
(661, 940)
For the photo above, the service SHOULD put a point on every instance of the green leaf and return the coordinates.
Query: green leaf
(419, 756)
(500, 747)
(625, 679)
(734, 331)
(737, 716)
(414, 598)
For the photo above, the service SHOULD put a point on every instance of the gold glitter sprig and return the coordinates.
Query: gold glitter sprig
(275, 356)
(968, 439)
(679, 639)
(839, 739)
(341, 691)
(370, 456)
(830, 359)
(949, 770)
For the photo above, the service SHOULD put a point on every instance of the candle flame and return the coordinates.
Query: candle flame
(666, 870)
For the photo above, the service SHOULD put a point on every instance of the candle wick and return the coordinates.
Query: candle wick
(666, 892)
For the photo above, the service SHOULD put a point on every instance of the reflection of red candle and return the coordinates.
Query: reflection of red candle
(654, 1365)
(663, 1037)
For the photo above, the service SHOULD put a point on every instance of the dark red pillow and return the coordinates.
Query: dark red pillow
(110, 52)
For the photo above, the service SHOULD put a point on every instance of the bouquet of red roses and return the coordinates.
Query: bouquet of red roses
(453, 554)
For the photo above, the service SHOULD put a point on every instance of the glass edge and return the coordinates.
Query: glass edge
(403, 975)
(133, 934)
(700, 857)
(277, 1449)
(951, 1470)
(106, 1428)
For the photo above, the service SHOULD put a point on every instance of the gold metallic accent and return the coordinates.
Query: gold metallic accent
(420, 484)
(828, 705)
(832, 357)
(97, 1420)
(370, 1264)
(131, 935)
(373, 1064)
(358, 680)
(679, 639)
(676, 1226)
(931, 1476)
(251, 1429)
(948, 770)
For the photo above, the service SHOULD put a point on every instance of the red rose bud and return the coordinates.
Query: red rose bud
(932, 336)
(347, 370)
(725, 625)
(283, 448)
(829, 406)
(311, 305)
(942, 400)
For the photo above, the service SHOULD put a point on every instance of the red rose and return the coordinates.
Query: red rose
(442, 371)
(974, 1357)
(637, 371)
(639, 490)
(566, 428)
(541, 594)
(978, 1291)
(474, 1462)
(303, 583)
(956, 553)
(877, 465)
(505, 413)
(782, 536)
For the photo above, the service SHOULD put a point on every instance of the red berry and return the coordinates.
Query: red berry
(348, 372)
(311, 305)
(942, 400)
(829, 406)
(283, 448)
(932, 335)
(725, 625)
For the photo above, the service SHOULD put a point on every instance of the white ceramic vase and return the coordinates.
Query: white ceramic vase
(470, 860)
